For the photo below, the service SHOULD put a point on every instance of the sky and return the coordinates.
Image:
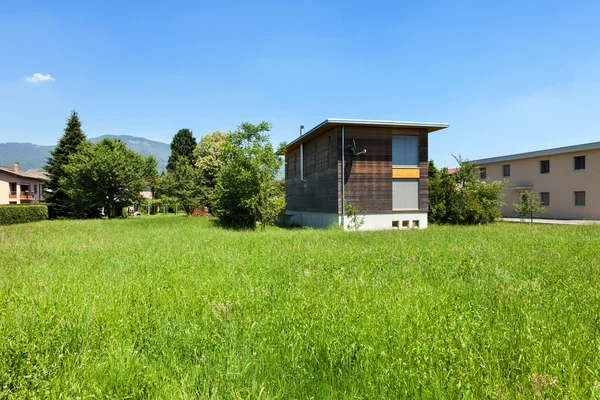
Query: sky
(508, 77)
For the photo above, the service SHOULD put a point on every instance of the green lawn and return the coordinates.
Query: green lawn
(174, 307)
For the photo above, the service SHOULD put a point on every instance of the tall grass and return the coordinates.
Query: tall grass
(174, 307)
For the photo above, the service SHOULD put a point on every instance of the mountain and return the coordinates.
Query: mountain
(31, 155)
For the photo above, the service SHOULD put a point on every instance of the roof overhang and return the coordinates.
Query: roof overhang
(332, 122)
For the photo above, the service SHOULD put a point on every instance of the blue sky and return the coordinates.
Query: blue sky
(507, 76)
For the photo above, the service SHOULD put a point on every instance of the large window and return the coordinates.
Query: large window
(580, 198)
(25, 188)
(506, 170)
(579, 162)
(405, 194)
(545, 198)
(482, 173)
(13, 187)
(545, 167)
(405, 150)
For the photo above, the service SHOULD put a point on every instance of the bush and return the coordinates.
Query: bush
(19, 214)
(463, 198)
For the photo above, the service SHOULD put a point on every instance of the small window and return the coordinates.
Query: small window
(396, 224)
(506, 170)
(13, 188)
(482, 173)
(545, 167)
(545, 198)
(405, 224)
(405, 150)
(416, 223)
(579, 162)
(35, 189)
(580, 198)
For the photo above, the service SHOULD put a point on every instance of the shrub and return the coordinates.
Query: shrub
(19, 214)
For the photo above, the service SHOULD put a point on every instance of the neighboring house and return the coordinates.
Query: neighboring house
(566, 178)
(17, 187)
(380, 167)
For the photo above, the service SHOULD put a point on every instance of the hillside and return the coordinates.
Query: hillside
(31, 155)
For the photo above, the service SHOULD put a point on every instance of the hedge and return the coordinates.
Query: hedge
(18, 214)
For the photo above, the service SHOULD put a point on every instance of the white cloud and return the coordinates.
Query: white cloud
(37, 78)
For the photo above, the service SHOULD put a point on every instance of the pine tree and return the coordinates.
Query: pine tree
(183, 145)
(57, 198)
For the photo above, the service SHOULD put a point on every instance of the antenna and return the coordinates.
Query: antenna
(352, 148)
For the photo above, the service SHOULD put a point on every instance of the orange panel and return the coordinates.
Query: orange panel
(405, 173)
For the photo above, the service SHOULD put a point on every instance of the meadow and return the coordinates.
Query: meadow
(176, 307)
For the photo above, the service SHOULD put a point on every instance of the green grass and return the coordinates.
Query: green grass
(174, 307)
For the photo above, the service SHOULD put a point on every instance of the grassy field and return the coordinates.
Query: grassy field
(174, 307)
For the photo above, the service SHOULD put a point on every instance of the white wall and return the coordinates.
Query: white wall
(371, 221)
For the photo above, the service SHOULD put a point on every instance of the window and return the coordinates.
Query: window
(24, 188)
(482, 173)
(416, 223)
(545, 198)
(579, 198)
(396, 224)
(579, 162)
(405, 194)
(506, 170)
(545, 167)
(405, 224)
(13, 188)
(405, 150)
(35, 189)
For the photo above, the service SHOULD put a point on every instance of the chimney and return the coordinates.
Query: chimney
(16, 167)
(301, 130)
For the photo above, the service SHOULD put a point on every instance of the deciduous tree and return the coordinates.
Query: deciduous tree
(245, 190)
(529, 206)
(106, 174)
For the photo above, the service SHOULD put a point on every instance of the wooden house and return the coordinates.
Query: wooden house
(380, 167)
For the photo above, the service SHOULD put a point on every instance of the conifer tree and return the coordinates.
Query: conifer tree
(57, 197)
(183, 145)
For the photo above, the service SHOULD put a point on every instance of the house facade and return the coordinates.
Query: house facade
(566, 179)
(379, 167)
(21, 187)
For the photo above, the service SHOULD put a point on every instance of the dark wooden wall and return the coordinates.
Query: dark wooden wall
(368, 177)
(319, 191)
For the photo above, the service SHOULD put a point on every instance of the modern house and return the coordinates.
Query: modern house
(380, 167)
(17, 187)
(567, 179)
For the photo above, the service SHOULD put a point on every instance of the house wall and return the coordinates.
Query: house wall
(561, 182)
(367, 178)
(318, 193)
(6, 198)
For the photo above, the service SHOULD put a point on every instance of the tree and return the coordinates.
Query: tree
(529, 206)
(106, 174)
(207, 155)
(182, 145)
(463, 198)
(183, 183)
(245, 190)
(59, 202)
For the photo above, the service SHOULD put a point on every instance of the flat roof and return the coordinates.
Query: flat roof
(541, 153)
(332, 122)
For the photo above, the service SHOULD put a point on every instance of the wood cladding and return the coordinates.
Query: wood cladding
(399, 173)
(367, 177)
(319, 190)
